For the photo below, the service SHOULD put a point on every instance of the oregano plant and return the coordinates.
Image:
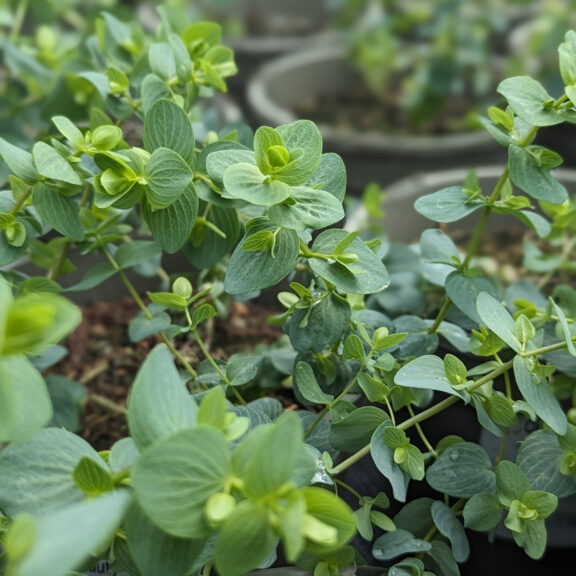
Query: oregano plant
(214, 473)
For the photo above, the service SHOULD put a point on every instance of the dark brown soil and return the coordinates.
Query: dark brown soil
(104, 360)
(359, 110)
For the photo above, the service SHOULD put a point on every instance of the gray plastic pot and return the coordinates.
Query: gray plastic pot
(403, 224)
(281, 85)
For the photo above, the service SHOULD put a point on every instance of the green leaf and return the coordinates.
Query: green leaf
(367, 275)
(92, 478)
(355, 430)
(250, 271)
(68, 397)
(245, 182)
(207, 247)
(462, 470)
(201, 314)
(156, 552)
(482, 512)
(154, 89)
(69, 130)
(455, 369)
(398, 543)
(66, 538)
(141, 327)
(167, 175)
(497, 319)
(427, 372)
(323, 324)
(169, 300)
(565, 328)
(93, 277)
(330, 176)
(304, 135)
(437, 247)
(245, 541)
(166, 125)
(37, 474)
(529, 100)
(540, 457)
(308, 386)
(61, 212)
(308, 208)
(25, 405)
(180, 472)
(354, 349)
(567, 54)
(524, 330)
(265, 459)
(136, 252)
(383, 457)
(171, 226)
(37, 320)
(447, 205)
(159, 403)
(50, 164)
(449, 526)
(512, 483)
(538, 393)
(536, 181)
(243, 368)
(19, 161)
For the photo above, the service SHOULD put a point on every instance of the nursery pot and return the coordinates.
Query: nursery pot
(402, 222)
(283, 84)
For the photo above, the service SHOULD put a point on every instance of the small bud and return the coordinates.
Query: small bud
(218, 507)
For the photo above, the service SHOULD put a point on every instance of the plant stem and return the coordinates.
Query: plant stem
(21, 201)
(425, 415)
(19, 17)
(422, 436)
(219, 370)
(107, 404)
(331, 405)
(146, 312)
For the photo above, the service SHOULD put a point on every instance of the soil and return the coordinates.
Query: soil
(359, 110)
(103, 359)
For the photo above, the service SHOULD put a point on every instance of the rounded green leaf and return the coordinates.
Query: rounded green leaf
(333, 511)
(66, 538)
(307, 208)
(167, 176)
(175, 476)
(245, 541)
(398, 543)
(171, 226)
(365, 276)
(166, 125)
(37, 475)
(447, 205)
(246, 182)
(462, 470)
(250, 271)
(59, 211)
(25, 405)
(159, 402)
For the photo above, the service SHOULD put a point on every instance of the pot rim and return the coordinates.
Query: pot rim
(263, 106)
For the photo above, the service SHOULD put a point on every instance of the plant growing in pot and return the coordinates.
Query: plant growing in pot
(214, 473)
(401, 93)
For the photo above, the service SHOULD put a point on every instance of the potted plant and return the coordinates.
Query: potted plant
(215, 473)
(401, 93)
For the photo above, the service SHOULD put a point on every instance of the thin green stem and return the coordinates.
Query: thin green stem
(219, 370)
(21, 201)
(425, 415)
(422, 436)
(54, 270)
(348, 488)
(331, 405)
(19, 17)
(146, 312)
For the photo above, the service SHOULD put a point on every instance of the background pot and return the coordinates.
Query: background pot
(284, 83)
(403, 224)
